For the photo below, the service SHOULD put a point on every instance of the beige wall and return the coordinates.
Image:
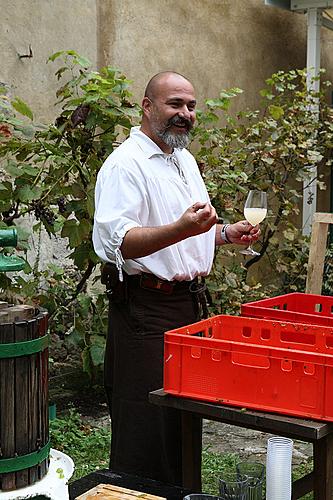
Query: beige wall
(48, 26)
(215, 43)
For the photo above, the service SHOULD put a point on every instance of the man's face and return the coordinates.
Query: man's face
(172, 112)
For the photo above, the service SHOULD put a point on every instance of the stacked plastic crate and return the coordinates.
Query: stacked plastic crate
(277, 356)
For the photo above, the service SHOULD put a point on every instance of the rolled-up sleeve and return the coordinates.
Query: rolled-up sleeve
(120, 205)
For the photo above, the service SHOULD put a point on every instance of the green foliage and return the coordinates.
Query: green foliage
(328, 272)
(50, 172)
(88, 446)
(270, 149)
(213, 466)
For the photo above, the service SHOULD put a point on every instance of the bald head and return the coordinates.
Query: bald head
(157, 81)
(168, 110)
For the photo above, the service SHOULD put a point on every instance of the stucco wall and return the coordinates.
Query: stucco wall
(48, 26)
(215, 43)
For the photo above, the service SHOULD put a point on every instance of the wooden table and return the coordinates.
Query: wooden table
(320, 434)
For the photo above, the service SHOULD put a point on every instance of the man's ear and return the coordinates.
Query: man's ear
(146, 106)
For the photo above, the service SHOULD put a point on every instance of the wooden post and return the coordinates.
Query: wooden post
(318, 246)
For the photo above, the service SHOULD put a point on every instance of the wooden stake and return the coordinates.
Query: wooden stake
(318, 246)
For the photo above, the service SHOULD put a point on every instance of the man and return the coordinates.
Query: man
(155, 224)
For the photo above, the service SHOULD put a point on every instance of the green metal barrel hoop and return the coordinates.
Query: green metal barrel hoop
(20, 462)
(25, 348)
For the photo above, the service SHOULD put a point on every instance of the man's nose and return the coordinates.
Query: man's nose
(185, 113)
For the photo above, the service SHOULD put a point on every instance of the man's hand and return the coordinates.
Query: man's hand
(240, 233)
(197, 219)
(142, 241)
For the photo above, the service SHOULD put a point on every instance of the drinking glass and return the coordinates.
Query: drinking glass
(233, 486)
(255, 473)
(255, 210)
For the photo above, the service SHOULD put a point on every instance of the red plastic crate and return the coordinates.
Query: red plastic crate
(253, 363)
(296, 307)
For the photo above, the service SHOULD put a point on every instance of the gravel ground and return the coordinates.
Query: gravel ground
(248, 444)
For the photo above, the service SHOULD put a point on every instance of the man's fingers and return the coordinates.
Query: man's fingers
(199, 205)
(207, 214)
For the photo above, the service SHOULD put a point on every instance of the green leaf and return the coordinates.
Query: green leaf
(85, 302)
(314, 156)
(60, 473)
(83, 61)
(76, 232)
(289, 234)
(55, 55)
(90, 201)
(22, 108)
(86, 360)
(12, 168)
(275, 111)
(30, 170)
(97, 354)
(28, 193)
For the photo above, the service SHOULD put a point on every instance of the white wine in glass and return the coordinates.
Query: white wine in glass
(255, 210)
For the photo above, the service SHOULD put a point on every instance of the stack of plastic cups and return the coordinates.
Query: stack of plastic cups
(278, 468)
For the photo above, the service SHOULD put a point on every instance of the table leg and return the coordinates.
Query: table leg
(191, 448)
(323, 468)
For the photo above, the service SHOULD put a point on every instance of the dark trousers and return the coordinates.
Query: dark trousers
(146, 439)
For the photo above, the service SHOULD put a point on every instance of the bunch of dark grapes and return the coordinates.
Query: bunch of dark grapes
(42, 213)
(62, 205)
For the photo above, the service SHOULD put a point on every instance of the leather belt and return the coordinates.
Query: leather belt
(152, 282)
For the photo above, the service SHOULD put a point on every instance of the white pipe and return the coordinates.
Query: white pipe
(314, 18)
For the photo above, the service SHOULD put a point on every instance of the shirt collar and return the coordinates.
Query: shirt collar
(149, 147)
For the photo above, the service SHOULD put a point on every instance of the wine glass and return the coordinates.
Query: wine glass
(255, 210)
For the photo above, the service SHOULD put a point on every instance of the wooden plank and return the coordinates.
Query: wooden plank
(323, 470)
(316, 261)
(191, 450)
(12, 314)
(109, 492)
(20, 313)
(33, 400)
(43, 419)
(302, 486)
(4, 317)
(317, 252)
(7, 407)
(325, 217)
(21, 404)
(275, 423)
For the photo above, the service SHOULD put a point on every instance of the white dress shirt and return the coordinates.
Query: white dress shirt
(140, 186)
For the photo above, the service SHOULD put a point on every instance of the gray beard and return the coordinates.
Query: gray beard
(178, 141)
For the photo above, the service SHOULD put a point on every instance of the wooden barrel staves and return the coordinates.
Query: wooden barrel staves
(24, 422)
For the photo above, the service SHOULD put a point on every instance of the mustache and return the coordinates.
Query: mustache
(176, 120)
